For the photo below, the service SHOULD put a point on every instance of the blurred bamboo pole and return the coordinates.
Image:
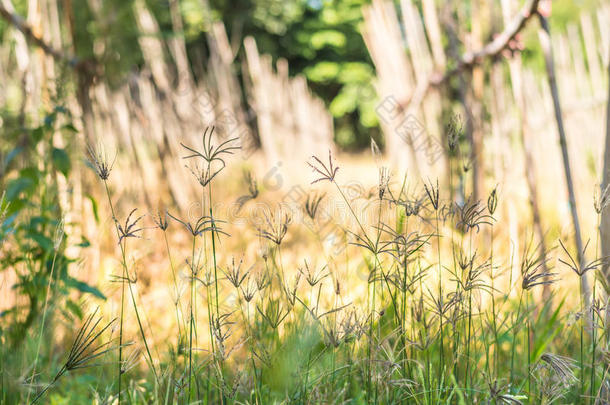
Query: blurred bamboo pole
(595, 72)
(474, 97)
(7, 12)
(151, 45)
(177, 46)
(22, 55)
(545, 43)
(293, 123)
(396, 82)
(516, 74)
(421, 60)
(434, 34)
(491, 49)
(453, 51)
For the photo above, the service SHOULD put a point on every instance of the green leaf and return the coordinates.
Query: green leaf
(61, 109)
(50, 119)
(10, 156)
(61, 161)
(84, 287)
(84, 242)
(355, 72)
(74, 308)
(16, 186)
(69, 128)
(44, 242)
(329, 38)
(322, 71)
(548, 329)
(94, 208)
(37, 134)
(345, 102)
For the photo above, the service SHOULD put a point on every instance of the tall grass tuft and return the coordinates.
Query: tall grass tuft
(406, 295)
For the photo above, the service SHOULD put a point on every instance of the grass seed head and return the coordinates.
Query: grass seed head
(325, 171)
(312, 204)
(252, 190)
(209, 152)
(276, 227)
(234, 275)
(249, 289)
(161, 220)
(492, 201)
(601, 199)
(432, 191)
(130, 228)
(535, 268)
(98, 159)
(471, 215)
(581, 268)
(313, 277)
(384, 180)
(455, 131)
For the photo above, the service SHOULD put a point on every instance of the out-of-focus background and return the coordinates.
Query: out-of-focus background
(296, 78)
(459, 91)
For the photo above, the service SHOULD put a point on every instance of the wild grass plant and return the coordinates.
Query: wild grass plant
(407, 302)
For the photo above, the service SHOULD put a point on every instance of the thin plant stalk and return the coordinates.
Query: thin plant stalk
(492, 204)
(213, 236)
(594, 322)
(372, 300)
(42, 322)
(582, 355)
(213, 247)
(121, 316)
(528, 337)
(191, 320)
(440, 295)
(175, 279)
(139, 320)
(512, 357)
(468, 336)
(124, 279)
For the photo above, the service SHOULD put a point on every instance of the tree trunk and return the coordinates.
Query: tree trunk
(545, 43)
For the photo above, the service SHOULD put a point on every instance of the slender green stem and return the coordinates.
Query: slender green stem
(593, 321)
(125, 279)
(57, 376)
(42, 322)
(214, 231)
(512, 356)
(528, 337)
(213, 246)
(440, 296)
(582, 355)
(496, 346)
(352, 211)
(406, 365)
(371, 337)
(593, 346)
(137, 312)
(468, 338)
(177, 292)
(191, 320)
(120, 369)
